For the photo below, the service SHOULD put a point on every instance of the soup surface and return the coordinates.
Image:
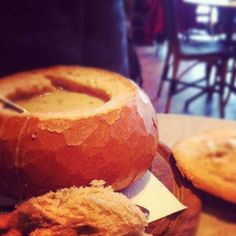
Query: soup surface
(60, 101)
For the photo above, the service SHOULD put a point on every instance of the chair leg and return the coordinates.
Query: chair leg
(209, 67)
(232, 83)
(223, 73)
(173, 85)
(165, 73)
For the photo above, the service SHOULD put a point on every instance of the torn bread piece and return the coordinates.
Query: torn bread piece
(94, 210)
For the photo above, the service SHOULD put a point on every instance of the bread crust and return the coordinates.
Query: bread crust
(95, 210)
(40, 152)
(208, 161)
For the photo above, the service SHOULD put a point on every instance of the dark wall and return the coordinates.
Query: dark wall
(42, 33)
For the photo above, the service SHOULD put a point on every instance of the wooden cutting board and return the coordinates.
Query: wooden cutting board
(183, 223)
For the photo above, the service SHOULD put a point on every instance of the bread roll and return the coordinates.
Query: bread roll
(75, 211)
(208, 160)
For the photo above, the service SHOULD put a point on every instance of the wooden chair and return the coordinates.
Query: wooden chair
(213, 53)
(230, 85)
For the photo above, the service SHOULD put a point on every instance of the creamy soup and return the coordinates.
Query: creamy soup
(60, 101)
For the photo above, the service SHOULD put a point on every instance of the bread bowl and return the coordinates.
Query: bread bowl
(46, 149)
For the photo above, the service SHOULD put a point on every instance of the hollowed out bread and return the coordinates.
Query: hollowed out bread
(44, 150)
(208, 160)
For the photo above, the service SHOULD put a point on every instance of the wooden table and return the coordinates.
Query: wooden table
(216, 3)
(176, 127)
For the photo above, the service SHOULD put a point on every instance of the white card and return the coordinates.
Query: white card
(151, 194)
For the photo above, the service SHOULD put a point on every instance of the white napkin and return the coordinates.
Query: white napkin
(151, 194)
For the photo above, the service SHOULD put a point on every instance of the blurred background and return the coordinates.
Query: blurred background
(186, 51)
(181, 52)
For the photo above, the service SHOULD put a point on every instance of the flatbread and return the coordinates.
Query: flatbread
(208, 160)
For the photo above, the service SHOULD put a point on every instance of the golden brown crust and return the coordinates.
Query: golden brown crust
(54, 231)
(94, 210)
(46, 151)
(208, 161)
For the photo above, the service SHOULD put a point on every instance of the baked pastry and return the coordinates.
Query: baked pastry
(208, 160)
(82, 124)
(75, 211)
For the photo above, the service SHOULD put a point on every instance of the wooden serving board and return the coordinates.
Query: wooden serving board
(182, 223)
(217, 217)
